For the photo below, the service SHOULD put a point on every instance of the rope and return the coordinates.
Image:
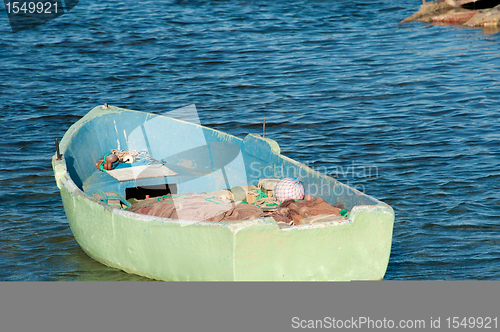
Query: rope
(344, 213)
(101, 166)
(268, 202)
(113, 165)
(261, 201)
(136, 155)
(159, 199)
(208, 199)
(121, 154)
(104, 198)
(260, 194)
(143, 155)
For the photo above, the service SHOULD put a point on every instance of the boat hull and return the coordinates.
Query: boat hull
(357, 248)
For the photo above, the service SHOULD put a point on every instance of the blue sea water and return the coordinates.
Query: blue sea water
(343, 88)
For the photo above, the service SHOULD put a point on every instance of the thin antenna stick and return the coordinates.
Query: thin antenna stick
(58, 154)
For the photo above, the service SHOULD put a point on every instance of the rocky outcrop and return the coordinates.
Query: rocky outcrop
(453, 16)
(427, 9)
(485, 18)
(466, 12)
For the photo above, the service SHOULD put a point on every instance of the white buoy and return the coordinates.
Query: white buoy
(128, 159)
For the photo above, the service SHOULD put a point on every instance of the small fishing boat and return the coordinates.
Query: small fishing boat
(187, 157)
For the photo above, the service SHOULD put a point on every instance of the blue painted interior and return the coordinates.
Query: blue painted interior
(205, 159)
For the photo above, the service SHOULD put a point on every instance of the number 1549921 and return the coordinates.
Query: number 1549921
(472, 322)
(31, 7)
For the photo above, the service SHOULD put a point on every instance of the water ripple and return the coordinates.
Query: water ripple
(340, 86)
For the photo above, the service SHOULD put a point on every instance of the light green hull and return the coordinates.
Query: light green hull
(164, 249)
(357, 248)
